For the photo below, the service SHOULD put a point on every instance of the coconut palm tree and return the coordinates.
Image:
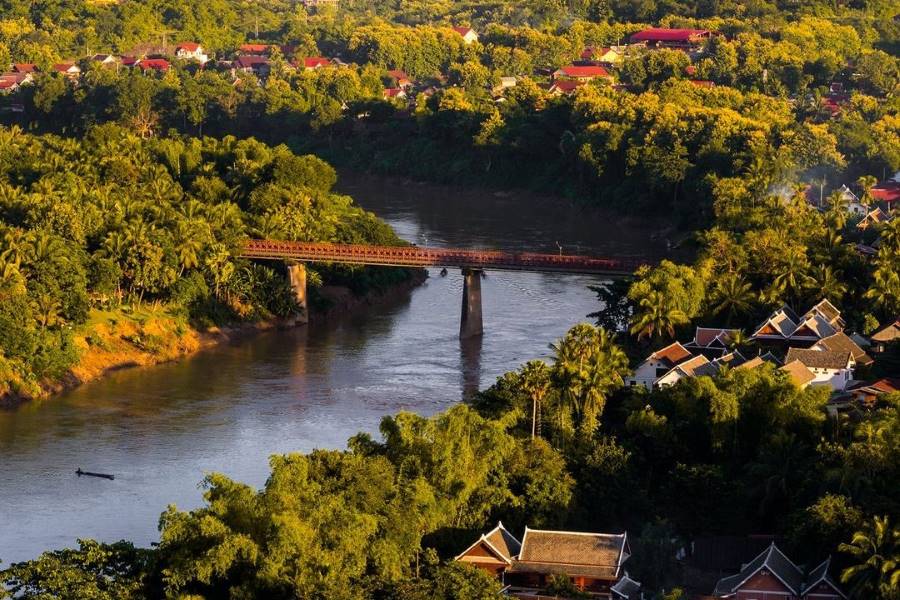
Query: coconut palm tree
(828, 283)
(876, 552)
(535, 380)
(885, 289)
(732, 295)
(655, 317)
(866, 183)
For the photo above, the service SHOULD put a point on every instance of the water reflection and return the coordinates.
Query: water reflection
(470, 362)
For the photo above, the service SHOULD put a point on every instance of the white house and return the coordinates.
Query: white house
(833, 368)
(658, 364)
(694, 367)
(191, 51)
(468, 34)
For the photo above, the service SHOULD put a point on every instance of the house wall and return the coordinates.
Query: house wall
(764, 586)
(835, 378)
(646, 373)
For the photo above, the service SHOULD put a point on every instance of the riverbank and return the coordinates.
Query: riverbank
(152, 334)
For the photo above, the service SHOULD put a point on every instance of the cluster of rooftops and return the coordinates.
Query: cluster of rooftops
(812, 349)
(594, 563)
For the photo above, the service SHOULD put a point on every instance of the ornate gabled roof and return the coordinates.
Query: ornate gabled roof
(820, 575)
(828, 310)
(771, 559)
(499, 541)
(598, 555)
(717, 337)
(779, 324)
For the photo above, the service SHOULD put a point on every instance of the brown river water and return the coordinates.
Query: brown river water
(227, 409)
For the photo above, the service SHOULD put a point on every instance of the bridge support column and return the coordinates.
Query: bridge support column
(470, 324)
(297, 279)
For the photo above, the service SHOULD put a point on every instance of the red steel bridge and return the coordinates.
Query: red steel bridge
(472, 263)
(416, 256)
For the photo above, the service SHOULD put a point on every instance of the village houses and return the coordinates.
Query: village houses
(773, 575)
(592, 561)
(191, 51)
(468, 34)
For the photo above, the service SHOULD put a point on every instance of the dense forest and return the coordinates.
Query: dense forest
(122, 189)
(112, 223)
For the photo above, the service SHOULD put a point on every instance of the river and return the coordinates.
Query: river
(227, 409)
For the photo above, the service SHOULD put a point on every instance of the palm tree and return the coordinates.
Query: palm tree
(876, 550)
(885, 289)
(791, 275)
(587, 366)
(535, 380)
(655, 317)
(828, 283)
(733, 296)
(866, 183)
(837, 209)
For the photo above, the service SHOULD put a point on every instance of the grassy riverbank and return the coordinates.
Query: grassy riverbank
(153, 333)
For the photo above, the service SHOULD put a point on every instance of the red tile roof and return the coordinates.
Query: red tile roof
(462, 30)
(312, 62)
(24, 68)
(393, 92)
(889, 192)
(703, 83)
(251, 62)
(188, 46)
(579, 71)
(255, 48)
(656, 34)
(63, 67)
(6, 84)
(157, 64)
(673, 353)
(565, 86)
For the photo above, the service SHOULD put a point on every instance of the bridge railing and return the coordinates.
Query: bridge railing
(422, 257)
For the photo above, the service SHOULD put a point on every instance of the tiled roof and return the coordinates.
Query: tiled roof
(188, 46)
(826, 309)
(819, 359)
(655, 34)
(672, 354)
(888, 333)
(582, 71)
(695, 366)
(798, 372)
(773, 560)
(504, 542)
(463, 31)
(841, 342)
(311, 62)
(596, 555)
(706, 336)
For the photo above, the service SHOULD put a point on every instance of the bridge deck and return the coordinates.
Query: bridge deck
(415, 256)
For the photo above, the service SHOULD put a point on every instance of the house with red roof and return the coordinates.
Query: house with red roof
(159, 65)
(253, 64)
(887, 192)
(254, 49)
(25, 68)
(191, 51)
(396, 92)
(8, 84)
(702, 83)
(659, 37)
(403, 80)
(311, 63)
(581, 73)
(70, 70)
(468, 34)
(658, 364)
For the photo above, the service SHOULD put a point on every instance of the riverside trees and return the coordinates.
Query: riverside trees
(742, 451)
(114, 220)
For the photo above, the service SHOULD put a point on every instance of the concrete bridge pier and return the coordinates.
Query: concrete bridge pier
(297, 279)
(470, 324)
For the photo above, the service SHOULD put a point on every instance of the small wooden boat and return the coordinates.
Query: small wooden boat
(79, 472)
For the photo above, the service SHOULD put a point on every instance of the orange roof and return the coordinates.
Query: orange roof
(674, 353)
(582, 71)
(798, 372)
(189, 46)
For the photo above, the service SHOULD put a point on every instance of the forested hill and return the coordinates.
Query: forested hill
(113, 222)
